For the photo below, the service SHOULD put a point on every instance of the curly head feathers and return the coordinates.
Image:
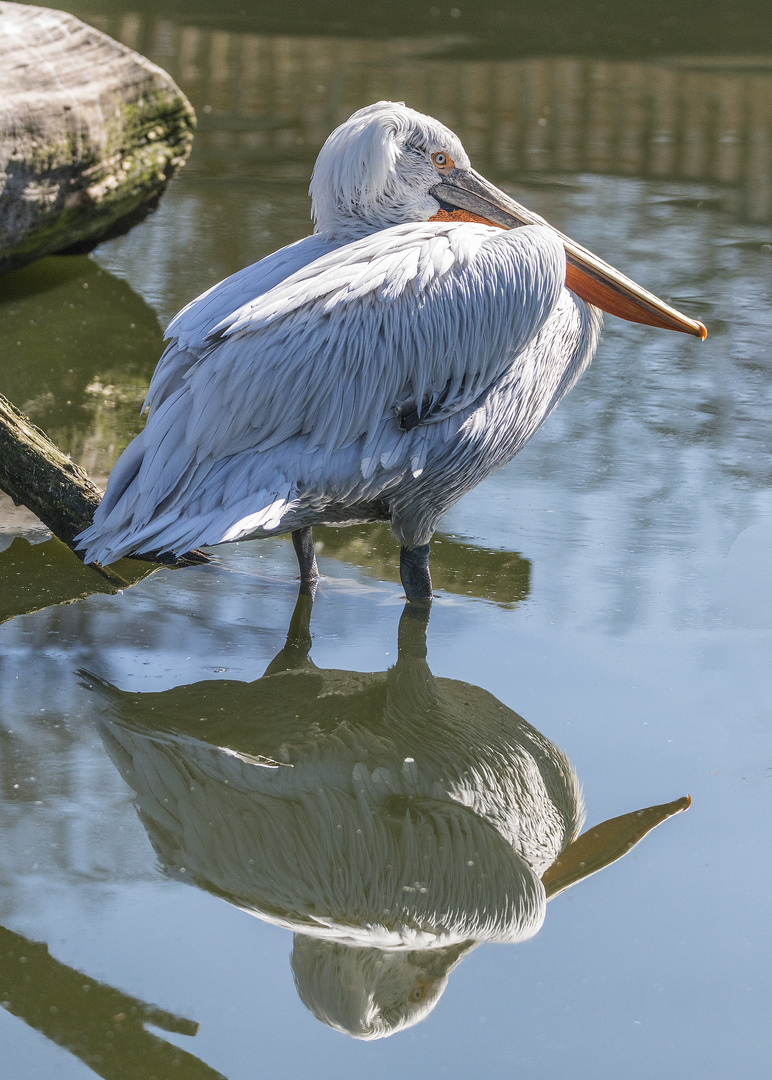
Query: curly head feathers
(376, 170)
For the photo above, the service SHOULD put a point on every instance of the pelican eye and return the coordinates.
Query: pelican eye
(420, 988)
(442, 161)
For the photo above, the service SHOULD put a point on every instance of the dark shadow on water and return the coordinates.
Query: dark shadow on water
(98, 1024)
(79, 349)
(489, 28)
(37, 576)
(40, 575)
(392, 820)
(503, 577)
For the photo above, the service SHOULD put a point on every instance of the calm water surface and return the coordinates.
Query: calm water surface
(227, 846)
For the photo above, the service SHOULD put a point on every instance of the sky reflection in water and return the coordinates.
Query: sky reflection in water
(613, 585)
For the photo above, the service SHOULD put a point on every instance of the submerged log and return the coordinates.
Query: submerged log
(90, 134)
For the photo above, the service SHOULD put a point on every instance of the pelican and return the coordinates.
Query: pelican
(376, 370)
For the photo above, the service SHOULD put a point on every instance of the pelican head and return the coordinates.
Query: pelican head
(379, 169)
(389, 165)
(371, 993)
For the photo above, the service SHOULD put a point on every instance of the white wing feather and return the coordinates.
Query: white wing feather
(331, 341)
(331, 351)
(190, 326)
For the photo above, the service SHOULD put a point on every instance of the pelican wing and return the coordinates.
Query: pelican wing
(422, 318)
(196, 320)
(320, 379)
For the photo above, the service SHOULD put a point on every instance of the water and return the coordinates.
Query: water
(608, 593)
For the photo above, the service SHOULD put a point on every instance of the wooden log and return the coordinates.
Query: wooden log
(90, 134)
(36, 474)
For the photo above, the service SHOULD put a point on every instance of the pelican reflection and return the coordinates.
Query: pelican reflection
(392, 820)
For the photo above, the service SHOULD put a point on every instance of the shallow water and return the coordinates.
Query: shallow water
(608, 593)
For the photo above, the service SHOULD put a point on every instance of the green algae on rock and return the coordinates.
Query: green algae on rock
(90, 134)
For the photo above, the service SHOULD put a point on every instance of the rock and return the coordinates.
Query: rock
(90, 134)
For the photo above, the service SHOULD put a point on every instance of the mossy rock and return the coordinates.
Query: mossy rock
(90, 134)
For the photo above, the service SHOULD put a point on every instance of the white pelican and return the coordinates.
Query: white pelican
(375, 370)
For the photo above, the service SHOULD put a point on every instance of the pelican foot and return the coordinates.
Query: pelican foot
(414, 573)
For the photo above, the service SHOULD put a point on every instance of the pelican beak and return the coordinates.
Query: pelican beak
(464, 195)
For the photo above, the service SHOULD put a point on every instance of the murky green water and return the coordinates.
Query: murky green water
(212, 837)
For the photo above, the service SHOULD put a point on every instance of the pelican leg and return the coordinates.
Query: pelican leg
(294, 655)
(303, 542)
(414, 572)
(413, 623)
